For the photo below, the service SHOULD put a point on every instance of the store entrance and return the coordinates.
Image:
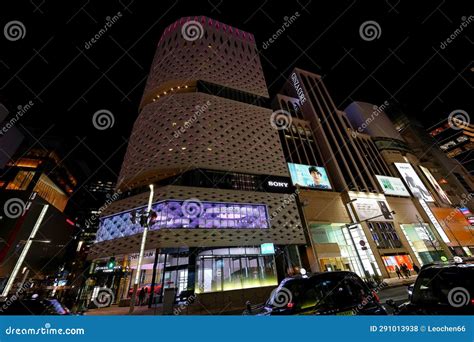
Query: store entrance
(334, 264)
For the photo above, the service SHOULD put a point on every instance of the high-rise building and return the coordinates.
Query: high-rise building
(226, 221)
(359, 213)
(456, 141)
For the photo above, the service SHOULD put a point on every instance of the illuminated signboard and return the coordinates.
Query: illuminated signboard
(190, 214)
(392, 186)
(414, 182)
(372, 209)
(435, 185)
(308, 176)
(267, 248)
(434, 221)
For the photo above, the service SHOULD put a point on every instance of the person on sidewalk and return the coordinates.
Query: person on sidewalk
(416, 269)
(397, 270)
(141, 296)
(404, 270)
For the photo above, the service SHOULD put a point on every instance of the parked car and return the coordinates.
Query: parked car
(33, 307)
(328, 293)
(441, 289)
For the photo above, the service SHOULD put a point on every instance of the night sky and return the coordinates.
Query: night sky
(68, 83)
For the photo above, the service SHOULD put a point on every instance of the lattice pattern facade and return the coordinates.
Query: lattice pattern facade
(223, 55)
(285, 223)
(228, 135)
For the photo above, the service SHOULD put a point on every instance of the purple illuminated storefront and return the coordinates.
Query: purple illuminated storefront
(199, 270)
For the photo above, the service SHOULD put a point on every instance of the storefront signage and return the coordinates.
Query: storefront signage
(435, 185)
(308, 176)
(298, 89)
(106, 269)
(414, 182)
(277, 184)
(267, 248)
(392, 186)
(372, 209)
(434, 221)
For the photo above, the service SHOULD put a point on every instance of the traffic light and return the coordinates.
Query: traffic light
(111, 263)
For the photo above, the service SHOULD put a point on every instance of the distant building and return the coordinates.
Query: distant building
(456, 142)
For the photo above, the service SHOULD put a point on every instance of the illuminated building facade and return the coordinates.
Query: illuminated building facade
(222, 190)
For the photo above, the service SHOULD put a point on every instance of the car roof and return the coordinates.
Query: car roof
(319, 274)
(448, 265)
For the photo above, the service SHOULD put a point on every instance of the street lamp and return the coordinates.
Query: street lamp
(142, 251)
(25, 250)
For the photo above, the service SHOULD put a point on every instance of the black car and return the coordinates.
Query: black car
(328, 293)
(441, 289)
(32, 307)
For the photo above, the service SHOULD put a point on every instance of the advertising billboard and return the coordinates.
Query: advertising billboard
(435, 184)
(372, 208)
(308, 176)
(414, 182)
(392, 186)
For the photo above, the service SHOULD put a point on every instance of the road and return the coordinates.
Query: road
(398, 294)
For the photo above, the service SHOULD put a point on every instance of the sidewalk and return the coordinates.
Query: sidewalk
(115, 310)
(391, 282)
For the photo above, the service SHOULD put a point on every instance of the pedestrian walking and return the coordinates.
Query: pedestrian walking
(404, 270)
(397, 270)
(416, 269)
(141, 296)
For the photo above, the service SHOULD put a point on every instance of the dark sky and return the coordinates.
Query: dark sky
(68, 83)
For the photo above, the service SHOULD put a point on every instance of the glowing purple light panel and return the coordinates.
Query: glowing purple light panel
(172, 214)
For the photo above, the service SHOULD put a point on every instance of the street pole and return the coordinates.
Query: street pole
(142, 250)
(25, 250)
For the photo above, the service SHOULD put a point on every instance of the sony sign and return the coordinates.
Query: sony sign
(278, 184)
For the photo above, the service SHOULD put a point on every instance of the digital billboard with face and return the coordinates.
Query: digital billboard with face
(414, 182)
(314, 177)
(435, 185)
(392, 186)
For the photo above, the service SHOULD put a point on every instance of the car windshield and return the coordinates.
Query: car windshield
(339, 292)
(286, 292)
(325, 292)
(434, 285)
